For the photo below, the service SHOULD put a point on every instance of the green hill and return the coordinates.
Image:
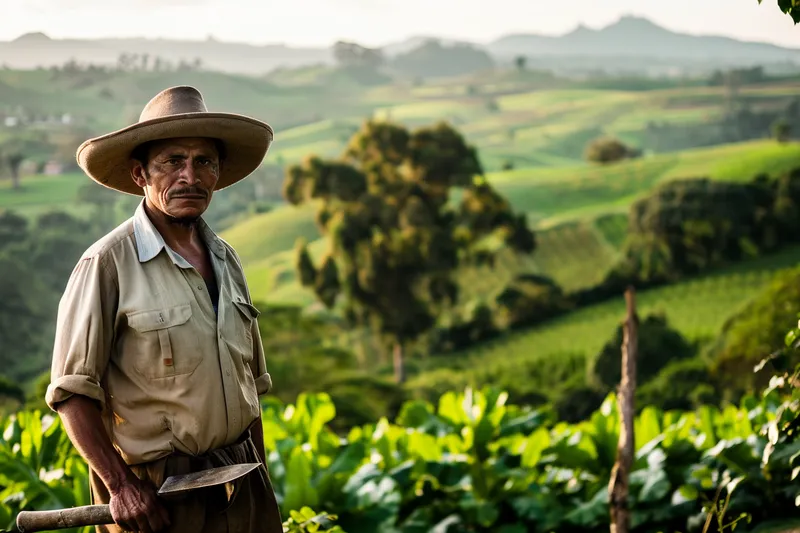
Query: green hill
(570, 206)
(696, 308)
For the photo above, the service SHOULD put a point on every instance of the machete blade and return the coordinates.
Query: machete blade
(205, 478)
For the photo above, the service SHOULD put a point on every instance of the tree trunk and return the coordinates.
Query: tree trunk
(397, 359)
(15, 177)
(618, 484)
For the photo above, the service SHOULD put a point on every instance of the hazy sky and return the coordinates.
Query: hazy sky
(376, 22)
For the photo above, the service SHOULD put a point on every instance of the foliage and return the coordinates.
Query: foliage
(608, 150)
(658, 346)
(757, 331)
(687, 226)
(35, 260)
(471, 462)
(530, 299)
(394, 242)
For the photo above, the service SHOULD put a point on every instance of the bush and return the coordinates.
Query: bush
(687, 226)
(528, 300)
(608, 150)
(756, 332)
(577, 400)
(658, 346)
(681, 385)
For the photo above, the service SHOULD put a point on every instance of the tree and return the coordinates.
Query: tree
(102, 199)
(395, 240)
(520, 62)
(790, 7)
(16, 150)
(608, 150)
(781, 130)
(354, 55)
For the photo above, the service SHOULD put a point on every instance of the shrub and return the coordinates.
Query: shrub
(528, 300)
(608, 150)
(756, 332)
(681, 385)
(658, 346)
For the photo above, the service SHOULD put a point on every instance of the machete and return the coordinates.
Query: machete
(94, 515)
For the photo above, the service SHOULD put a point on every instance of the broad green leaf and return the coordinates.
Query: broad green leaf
(298, 488)
(647, 426)
(534, 445)
(656, 486)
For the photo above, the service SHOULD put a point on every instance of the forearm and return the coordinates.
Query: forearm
(84, 426)
(257, 434)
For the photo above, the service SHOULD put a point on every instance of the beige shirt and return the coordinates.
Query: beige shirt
(137, 332)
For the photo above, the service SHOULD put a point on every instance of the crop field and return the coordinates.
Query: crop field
(697, 308)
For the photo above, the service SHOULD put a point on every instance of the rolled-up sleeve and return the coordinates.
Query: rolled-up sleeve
(259, 364)
(84, 332)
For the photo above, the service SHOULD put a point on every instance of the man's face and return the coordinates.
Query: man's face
(179, 177)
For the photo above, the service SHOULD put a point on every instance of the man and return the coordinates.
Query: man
(158, 362)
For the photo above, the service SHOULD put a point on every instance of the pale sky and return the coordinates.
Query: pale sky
(377, 22)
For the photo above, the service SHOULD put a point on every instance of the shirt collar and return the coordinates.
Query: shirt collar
(149, 241)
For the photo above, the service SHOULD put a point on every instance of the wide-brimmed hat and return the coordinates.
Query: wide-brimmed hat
(176, 112)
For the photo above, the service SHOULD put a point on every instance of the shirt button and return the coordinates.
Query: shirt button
(199, 287)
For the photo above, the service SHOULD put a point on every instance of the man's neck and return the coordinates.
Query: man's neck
(177, 234)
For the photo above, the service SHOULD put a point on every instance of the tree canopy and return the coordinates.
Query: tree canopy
(395, 237)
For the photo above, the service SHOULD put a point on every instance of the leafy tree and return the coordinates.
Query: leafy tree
(687, 226)
(530, 299)
(757, 332)
(608, 150)
(659, 345)
(790, 7)
(354, 55)
(16, 150)
(394, 239)
(520, 62)
(781, 130)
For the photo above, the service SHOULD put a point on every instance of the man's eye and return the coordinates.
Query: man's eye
(173, 161)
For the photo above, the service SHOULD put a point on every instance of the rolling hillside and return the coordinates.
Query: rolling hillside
(579, 212)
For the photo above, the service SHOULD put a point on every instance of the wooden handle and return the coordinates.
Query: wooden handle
(88, 515)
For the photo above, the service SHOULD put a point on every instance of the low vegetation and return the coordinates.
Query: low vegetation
(471, 461)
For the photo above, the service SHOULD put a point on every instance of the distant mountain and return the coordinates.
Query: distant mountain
(630, 43)
(639, 37)
(36, 49)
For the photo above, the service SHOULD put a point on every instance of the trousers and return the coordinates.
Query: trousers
(246, 505)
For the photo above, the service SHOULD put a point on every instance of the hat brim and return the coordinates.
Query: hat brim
(106, 159)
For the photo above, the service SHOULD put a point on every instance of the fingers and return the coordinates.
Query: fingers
(143, 524)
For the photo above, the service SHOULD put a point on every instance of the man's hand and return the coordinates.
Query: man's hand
(135, 507)
(134, 503)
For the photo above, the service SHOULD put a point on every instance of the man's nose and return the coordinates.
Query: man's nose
(189, 174)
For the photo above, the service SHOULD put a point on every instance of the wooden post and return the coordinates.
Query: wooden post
(618, 484)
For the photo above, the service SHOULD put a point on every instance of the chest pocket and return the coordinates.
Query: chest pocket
(241, 339)
(164, 344)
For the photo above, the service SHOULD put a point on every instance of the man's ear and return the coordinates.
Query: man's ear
(138, 173)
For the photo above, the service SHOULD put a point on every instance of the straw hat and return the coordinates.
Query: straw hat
(176, 112)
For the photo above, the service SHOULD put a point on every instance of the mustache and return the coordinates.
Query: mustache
(188, 191)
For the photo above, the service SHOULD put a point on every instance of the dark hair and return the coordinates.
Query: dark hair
(142, 151)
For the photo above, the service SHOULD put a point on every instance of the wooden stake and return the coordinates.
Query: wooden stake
(618, 484)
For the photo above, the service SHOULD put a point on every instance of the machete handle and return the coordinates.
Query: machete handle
(87, 515)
